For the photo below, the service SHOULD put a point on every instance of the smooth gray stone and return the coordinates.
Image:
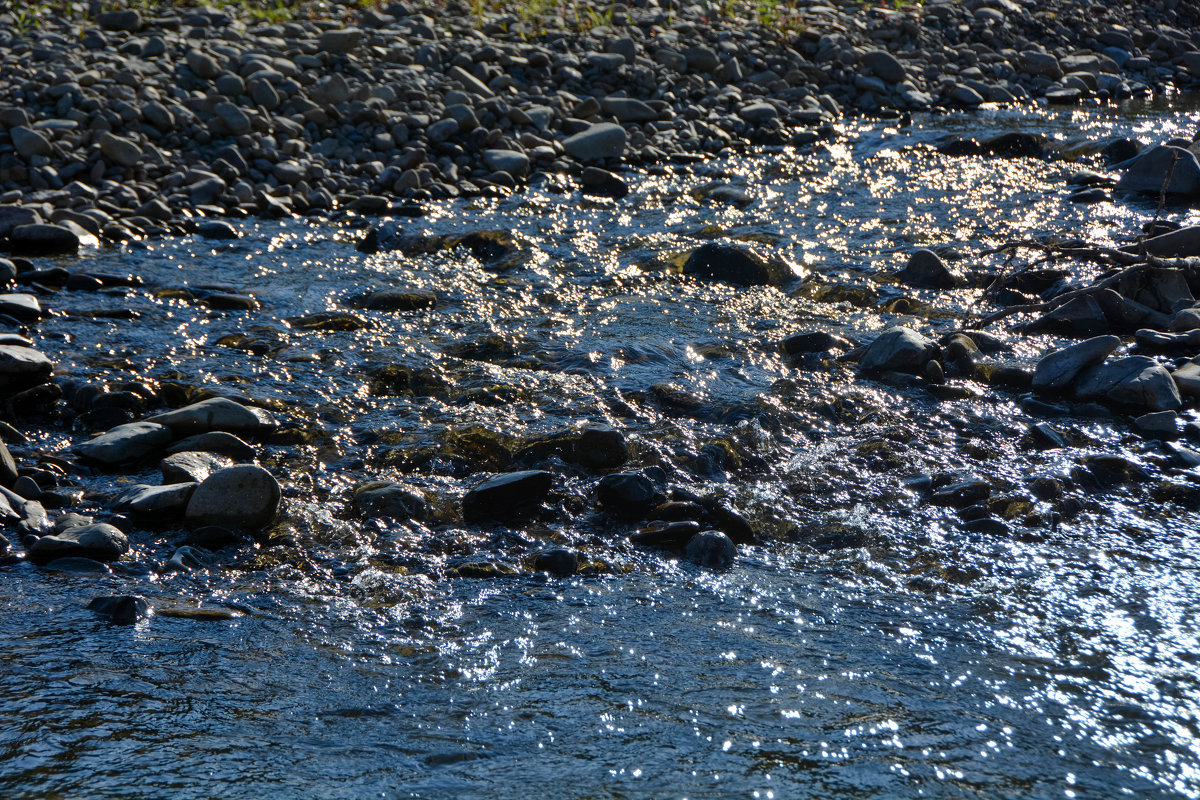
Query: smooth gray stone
(216, 414)
(220, 442)
(22, 366)
(885, 65)
(899, 349)
(156, 501)
(598, 142)
(99, 541)
(340, 41)
(191, 467)
(12, 217)
(202, 64)
(119, 150)
(43, 239)
(1183, 243)
(126, 443)
(628, 109)
(507, 495)
(1137, 382)
(1057, 370)
(20, 306)
(712, 550)
(510, 161)
(240, 497)
(1148, 173)
(29, 143)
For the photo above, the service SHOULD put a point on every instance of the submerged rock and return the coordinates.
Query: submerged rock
(627, 494)
(556, 561)
(393, 500)
(121, 609)
(741, 266)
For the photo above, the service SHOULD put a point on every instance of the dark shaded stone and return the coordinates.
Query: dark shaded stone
(711, 550)
(97, 541)
(628, 495)
(390, 500)
(509, 495)
(737, 265)
(926, 270)
(556, 561)
(121, 609)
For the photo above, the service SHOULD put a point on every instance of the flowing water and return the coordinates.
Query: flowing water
(871, 647)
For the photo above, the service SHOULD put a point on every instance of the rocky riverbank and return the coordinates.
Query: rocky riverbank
(128, 124)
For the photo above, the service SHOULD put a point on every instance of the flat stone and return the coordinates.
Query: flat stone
(22, 366)
(629, 109)
(341, 41)
(508, 495)
(390, 500)
(21, 306)
(202, 64)
(126, 20)
(217, 229)
(44, 240)
(737, 265)
(400, 300)
(12, 217)
(239, 497)
(125, 443)
(234, 118)
(597, 182)
(119, 150)
(191, 466)
(216, 414)
(1183, 243)
(759, 113)
(598, 142)
(899, 349)
(97, 541)
(1135, 382)
(161, 502)
(220, 442)
(29, 143)
(1187, 378)
(1056, 371)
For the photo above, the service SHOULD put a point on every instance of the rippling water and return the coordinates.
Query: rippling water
(871, 649)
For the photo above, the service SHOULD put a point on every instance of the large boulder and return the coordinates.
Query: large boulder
(1165, 167)
(741, 266)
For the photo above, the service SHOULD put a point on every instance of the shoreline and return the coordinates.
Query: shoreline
(129, 125)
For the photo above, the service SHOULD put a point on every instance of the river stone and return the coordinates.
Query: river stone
(510, 161)
(22, 367)
(390, 500)
(340, 41)
(736, 264)
(600, 447)
(1136, 382)
(12, 217)
(600, 141)
(712, 550)
(234, 118)
(1158, 425)
(220, 442)
(629, 109)
(125, 443)
(926, 270)
(119, 150)
(597, 182)
(217, 229)
(21, 306)
(627, 494)
(126, 20)
(400, 300)
(191, 466)
(1183, 243)
(508, 495)
(121, 609)
(1187, 378)
(899, 349)
(1147, 173)
(189, 559)
(1057, 370)
(885, 65)
(202, 64)
(44, 240)
(161, 502)
(97, 541)
(29, 143)
(216, 414)
(557, 561)
(244, 496)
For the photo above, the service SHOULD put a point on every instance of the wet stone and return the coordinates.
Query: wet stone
(191, 467)
(121, 609)
(737, 265)
(125, 443)
(629, 495)
(1136, 382)
(507, 496)
(597, 182)
(21, 367)
(899, 349)
(1148, 173)
(43, 240)
(400, 300)
(1057, 370)
(243, 497)
(220, 442)
(97, 541)
(558, 561)
(926, 270)
(217, 230)
(390, 500)
(156, 502)
(217, 414)
(711, 550)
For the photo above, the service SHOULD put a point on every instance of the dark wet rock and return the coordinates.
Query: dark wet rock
(380, 499)
(1163, 168)
(189, 559)
(97, 541)
(329, 321)
(484, 570)
(960, 494)
(1056, 371)
(29, 142)
(217, 414)
(510, 495)
(212, 537)
(738, 265)
(121, 609)
(400, 300)
(600, 447)
(191, 467)
(667, 535)
(22, 367)
(596, 143)
(1102, 312)
(1181, 243)
(1136, 382)
(155, 502)
(1086, 196)
(217, 229)
(597, 182)
(711, 550)
(721, 192)
(1044, 436)
(22, 307)
(558, 561)
(1105, 471)
(987, 525)
(1187, 378)
(244, 497)
(1159, 289)
(899, 349)
(1151, 341)
(42, 239)
(926, 270)
(125, 443)
(1158, 425)
(126, 20)
(815, 342)
(628, 495)
(220, 442)
(74, 565)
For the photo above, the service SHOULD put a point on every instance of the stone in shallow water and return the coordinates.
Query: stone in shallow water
(899, 349)
(390, 500)
(43, 239)
(508, 495)
(162, 502)
(1136, 382)
(1149, 172)
(121, 609)
(627, 494)
(711, 549)
(556, 561)
(125, 443)
(598, 142)
(242, 497)
(1057, 370)
(738, 265)
(216, 414)
(97, 541)
(21, 367)
(191, 467)
(926, 270)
